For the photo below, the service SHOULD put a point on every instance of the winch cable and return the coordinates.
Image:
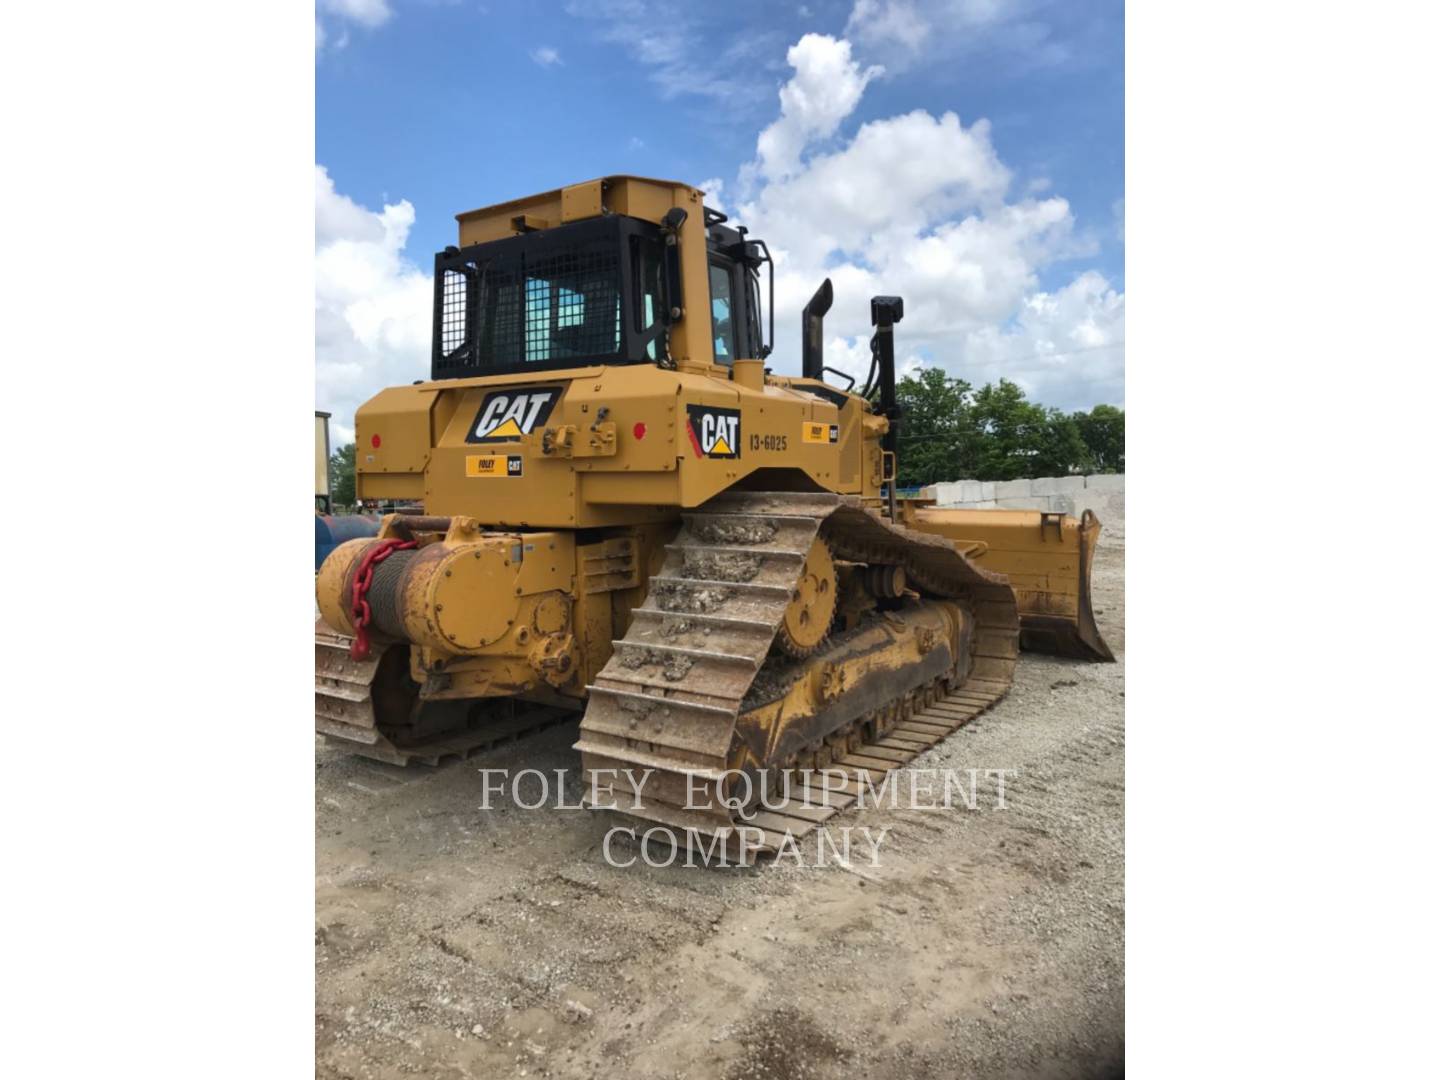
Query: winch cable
(359, 603)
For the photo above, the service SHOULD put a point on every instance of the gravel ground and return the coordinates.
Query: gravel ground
(453, 941)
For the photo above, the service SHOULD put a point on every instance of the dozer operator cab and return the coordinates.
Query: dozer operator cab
(599, 290)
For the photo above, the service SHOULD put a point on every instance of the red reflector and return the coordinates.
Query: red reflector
(639, 430)
(375, 441)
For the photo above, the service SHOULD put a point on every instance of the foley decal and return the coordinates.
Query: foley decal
(512, 412)
(485, 466)
(714, 432)
(812, 432)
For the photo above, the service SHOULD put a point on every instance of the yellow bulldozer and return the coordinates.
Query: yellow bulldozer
(626, 514)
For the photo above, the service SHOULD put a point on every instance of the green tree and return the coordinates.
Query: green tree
(1103, 429)
(1012, 429)
(1059, 448)
(342, 477)
(951, 431)
(937, 435)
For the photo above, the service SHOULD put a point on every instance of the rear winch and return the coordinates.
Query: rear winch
(484, 619)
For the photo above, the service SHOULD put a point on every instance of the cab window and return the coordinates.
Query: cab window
(645, 258)
(721, 311)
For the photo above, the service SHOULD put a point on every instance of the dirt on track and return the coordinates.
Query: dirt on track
(453, 941)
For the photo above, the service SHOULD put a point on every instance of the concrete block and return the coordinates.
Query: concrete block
(1012, 489)
(1063, 504)
(928, 491)
(987, 490)
(1057, 485)
(971, 491)
(1031, 502)
(946, 494)
(1105, 482)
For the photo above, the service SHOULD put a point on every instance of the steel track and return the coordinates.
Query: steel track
(669, 698)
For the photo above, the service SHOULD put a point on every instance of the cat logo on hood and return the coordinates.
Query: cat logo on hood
(714, 432)
(512, 412)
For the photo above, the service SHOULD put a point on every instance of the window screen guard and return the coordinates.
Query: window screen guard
(550, 298)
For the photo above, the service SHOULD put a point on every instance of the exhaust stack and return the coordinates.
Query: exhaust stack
(812, 330)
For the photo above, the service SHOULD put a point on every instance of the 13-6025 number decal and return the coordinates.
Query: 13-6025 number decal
(767, 442)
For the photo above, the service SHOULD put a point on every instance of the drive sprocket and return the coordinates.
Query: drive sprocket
(811, 610)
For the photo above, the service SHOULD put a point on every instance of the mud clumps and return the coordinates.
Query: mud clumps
(677, 667)
(735, 532)
(635, 707)
(722, 565)
(701, 599)
(673, 666)
(685, 632)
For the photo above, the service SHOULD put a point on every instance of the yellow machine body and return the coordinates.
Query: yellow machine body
(692, 549)
(620, 445)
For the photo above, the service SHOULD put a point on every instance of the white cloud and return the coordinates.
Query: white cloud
(372, 305)
(911, 22)
(684, 48)
(1066, 348)
(895, 177)
(901, 32)
(369, 13)
(825, 89)
(337, 217)
(920, 206)
(713, 188)
(546, 56)
(876, 21)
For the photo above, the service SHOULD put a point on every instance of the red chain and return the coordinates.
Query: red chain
(359, 605)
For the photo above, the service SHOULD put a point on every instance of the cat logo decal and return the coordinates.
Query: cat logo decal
(714, 432)
(512, 412)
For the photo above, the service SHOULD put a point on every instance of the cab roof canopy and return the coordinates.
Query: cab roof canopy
(636, 196)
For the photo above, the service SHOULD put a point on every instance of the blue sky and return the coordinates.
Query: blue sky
(1007, 235)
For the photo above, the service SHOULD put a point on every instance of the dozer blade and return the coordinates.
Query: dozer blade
(1047, 557)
